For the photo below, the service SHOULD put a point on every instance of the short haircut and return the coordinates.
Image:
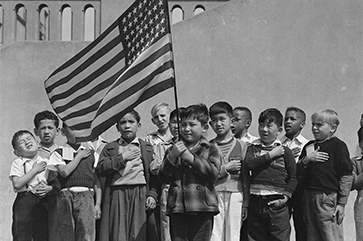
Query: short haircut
(159, 106)
(243, 108)
(45, 115)
(326, 116)
(360, 135)
(197, 111)
(298, 110)
(221, 107)
(17, 135)
(271, 115)
(135, 114)
(175, 112)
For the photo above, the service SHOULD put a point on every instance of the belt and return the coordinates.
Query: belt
(77, 189)
(268, 198)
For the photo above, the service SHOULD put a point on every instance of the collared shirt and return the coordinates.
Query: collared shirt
(298, 141)
(21, 166)
(155, 137)
(264, 151)
(97, 146)
(248, 138)
(133, 173)
(45, 152)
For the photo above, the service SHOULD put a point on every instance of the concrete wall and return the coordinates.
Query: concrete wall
(261, 53)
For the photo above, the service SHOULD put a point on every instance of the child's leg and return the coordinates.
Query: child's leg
(84, 212)
(22, 227)
(234, 217)
(40, 221)
(279, 227)
(257, 224)
(178, 227)
(165, 232)
(358, 217)
(218, 233)
(324, 206)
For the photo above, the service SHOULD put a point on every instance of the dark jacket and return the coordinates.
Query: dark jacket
(192, 186)
(109, 164)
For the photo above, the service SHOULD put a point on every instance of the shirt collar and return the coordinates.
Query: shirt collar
(135, 141)
(300, 139)
(258, 142)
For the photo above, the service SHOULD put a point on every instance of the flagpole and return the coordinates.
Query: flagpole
(175, 90)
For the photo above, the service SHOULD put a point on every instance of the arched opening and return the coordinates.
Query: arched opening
(199, 9)
(66, 28)
(20, 23)
(89, 23)
(177, 14)
(43, 22)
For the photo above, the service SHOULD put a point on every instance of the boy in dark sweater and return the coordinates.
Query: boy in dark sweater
(273, 171)
(327, 169)
(76, 208)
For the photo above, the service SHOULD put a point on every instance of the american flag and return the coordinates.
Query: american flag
(128, 63)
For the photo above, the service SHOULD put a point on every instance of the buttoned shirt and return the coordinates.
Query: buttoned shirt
(248, 138)
(155, 137)
(298, 141)
(21, 166)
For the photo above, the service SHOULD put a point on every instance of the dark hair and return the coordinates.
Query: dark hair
(271, 115)
(360, 135)
(197, 111)
(243, 108)
(45, 115)
(220, 107)
(135, 114)
(298, 110)
(175, 112)
(17, 135)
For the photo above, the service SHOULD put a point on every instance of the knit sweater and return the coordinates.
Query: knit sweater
(275, 175)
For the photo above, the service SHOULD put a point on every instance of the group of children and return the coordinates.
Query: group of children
(176, 185)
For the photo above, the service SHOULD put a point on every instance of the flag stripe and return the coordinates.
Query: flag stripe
(103, 126)
(94, 44)
(102, 71)
(86, 63)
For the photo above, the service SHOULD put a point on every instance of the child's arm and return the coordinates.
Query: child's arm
(66, 170)
(255, 163)
(357, 177)
(19, 182)
(112, 160)
(98, 196)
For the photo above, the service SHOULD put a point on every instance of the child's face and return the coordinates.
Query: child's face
(241, 122)
(69, 134)
(221, 124)
(128, 127)
(293, 123)
(191, 130)
(322, 130)
(46, 131)
(173, 126)
(268, 132)
(26, 146)
(160, 119)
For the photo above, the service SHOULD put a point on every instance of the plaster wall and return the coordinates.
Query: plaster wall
(257, 53)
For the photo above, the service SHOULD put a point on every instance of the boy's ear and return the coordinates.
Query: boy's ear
(138, 126)
(36, 132)
(302, 125)
(333, 129)
(280, 129)
(205, 128)
(16, 153)
(248, 123)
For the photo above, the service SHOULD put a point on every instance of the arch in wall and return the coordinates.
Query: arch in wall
(20, 22)
(44, 16)
(199, 9)
(1, 24)
(66, 23)
(177, 14)
(89, 22)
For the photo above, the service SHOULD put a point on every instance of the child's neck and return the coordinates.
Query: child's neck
(242, 134)
(163, 132)
(47, 145)
(326, 139)
(31, 157)
(292, 136)
(224, 138)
